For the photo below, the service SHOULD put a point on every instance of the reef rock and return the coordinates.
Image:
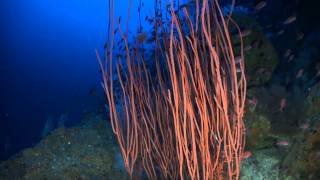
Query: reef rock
(261, 58)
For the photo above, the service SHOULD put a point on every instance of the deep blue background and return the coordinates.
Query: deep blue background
(48, 64)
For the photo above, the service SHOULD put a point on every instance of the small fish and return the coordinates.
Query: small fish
(304, 126)
(280, 32)
(141, 37)
(290, 20)
(115, 31)
(282, 143)
(119, 56)
(183, 6)
(270, 35)
(238, 70)
(150, 20)
(287, 80)
(261, 70)
(269, 26)
(237, 59)
(246, 155)
(317, 154)
(252, 104)
(93, 91)
(151, 40)
(318, 73)
(283, 104)
(247, 48)
(287, 53)
(245, 33)
(300, 73)
(300, 36)
(260, 5)
(257, 44)
(291, 58)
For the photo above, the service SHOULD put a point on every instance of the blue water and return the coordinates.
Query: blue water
(48, 63)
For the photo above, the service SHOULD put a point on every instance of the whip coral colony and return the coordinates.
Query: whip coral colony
(185, 121)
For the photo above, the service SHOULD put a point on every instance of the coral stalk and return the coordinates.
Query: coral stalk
(187, 120)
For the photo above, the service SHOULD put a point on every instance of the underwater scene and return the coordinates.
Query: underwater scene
(160, 89)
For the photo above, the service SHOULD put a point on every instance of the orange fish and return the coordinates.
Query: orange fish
(246, 155)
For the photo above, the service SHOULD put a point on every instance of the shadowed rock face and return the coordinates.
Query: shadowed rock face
(260, 58)
(86, 151)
